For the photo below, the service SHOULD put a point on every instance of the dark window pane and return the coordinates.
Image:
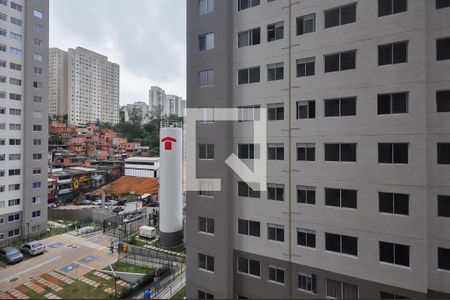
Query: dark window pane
(301, 196)
(255, 267)
(301, 238)
(310, 154)
(386, 252)
(400, 6)
(348, 107)
(279, 73)
(400, 52)
(271, 193)
(256, 36)
(400, 153)
(348, 14)
(309, 25)
(443, 49)
(280, 194)
(443, 101)
(310, 69)
(332, 18)
(254, 75)
(444, 206)
(332, 63)
(442, 4)
(333, 197)
(386, 202)
(444, 259)
(254, 228)
(243, 227)
(349, 198)
(332, 108)
(311, 197)
(280, 234)
(443, 150)
(243, 76)
(401, 204)
(348, 152)
(384, 7)
(301, 70)
(348, 60)
(271, 154)
(400, 103)
(300, 29)
(271, 233)
(271, 74)
(350, 245)
(312, 109)
(280, 275)
(311, 240)
(384, 104)
(332, 242)
(332, 152)
(280, 113)
(402, 255)
(385, 153)
(271, 115)
(242, 265)
(384, 55)
(301, 154)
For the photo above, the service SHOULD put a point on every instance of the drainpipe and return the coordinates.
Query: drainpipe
(290, 147)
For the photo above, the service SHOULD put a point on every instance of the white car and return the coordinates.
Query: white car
(33, 248)
(97, 202)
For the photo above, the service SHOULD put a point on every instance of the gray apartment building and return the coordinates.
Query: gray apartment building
(23, 118)
(358, 194)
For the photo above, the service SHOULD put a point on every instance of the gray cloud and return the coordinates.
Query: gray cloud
(146, 37)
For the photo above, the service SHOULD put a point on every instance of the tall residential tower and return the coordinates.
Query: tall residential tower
(58, 78)
(358, 194)
(23, 118)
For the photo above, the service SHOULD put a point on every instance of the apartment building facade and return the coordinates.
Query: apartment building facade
(165, 104)
(58, 79)
(85, 86)
(358, 194)
(23, 118)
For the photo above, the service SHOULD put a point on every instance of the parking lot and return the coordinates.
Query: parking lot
(69, 255)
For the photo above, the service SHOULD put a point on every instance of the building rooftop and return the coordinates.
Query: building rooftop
(142, 159)
(128, 184)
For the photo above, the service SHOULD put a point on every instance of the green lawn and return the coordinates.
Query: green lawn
(124, 267)
(181, 294)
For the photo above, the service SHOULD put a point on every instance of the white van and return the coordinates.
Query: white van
(147, 232)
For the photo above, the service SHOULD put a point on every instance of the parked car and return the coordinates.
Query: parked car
(110, 202)
(53, 205)
(33, 248)
(11, 255)
(117, 209)
(154, 204)
(131, 218)
(97, 202)
(86, 202)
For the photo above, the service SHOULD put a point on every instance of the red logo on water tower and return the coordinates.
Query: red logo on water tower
(168, 141)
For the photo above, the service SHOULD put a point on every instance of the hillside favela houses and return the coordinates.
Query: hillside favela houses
(84, 158)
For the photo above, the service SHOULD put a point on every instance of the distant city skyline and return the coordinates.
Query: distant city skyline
(147, 55)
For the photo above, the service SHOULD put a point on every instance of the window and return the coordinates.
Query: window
(275, 31)
(306, 195)
(37, 57)
(206, 78)
(15, 127)
(38, 42)
(3, 16)
(36, 185)
(394, 254)
(3, 48)
(385, 295)
(205, 6)
(443, 101)
(275, 232)
(37, 114)
(443, 259)
(15, 112)
(250, 228)
(276, 274)
(15, 81)
(16, 97)
(340, 61)
(275, 192)
(206, 41)
(206, 225)
(36, 200)
(341, 290)
(204, 295)
(340, 16)
(37, 85)
(36, 228)
(37, 99)
(442, 4)
(443, 48)
(3, 32)
(392, 203)
(37, 156)
(37, 71)
(244, 190)
(14, 172)
(2, 126)
(390, 7)
(340, 152)
(16, 67)
(249, 266)
(38, 14)
(396, 103)
(2, 79)
(37, 171)
(340, 107)
(13, 218)
(443, 206)
(244, 4)
(306, 24)
(208, 115)
(14, 157)
(2, 110)
(206, 262)
(395, 53)
(3, 63)
(443, 150)
(249, 37)
(251, 75)
(306, 238)
(36, 214)
(306, 109)
(275, 112)
(16, 6)
(2, 95)
(275, 151)
(341, 198)
(38, 28)
(15, 36)
(307, 282)
(15, 142)
(246, 151)
(306, 152)
(2, 142)
(249, 113)
(13, 202)
(206, 189)
(206, 151)
(306, 67)
(393, 153)
(16, 21)
(341, 243)
(275, 72)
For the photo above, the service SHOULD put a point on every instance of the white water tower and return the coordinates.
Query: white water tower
(170, 185)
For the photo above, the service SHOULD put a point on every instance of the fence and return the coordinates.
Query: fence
(150, 258)
(115, 226)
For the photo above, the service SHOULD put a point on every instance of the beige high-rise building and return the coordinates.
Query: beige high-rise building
(58, 76)
(92, 87)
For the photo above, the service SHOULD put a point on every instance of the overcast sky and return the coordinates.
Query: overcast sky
(147, 38)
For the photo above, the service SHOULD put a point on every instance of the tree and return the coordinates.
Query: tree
(135, 115)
